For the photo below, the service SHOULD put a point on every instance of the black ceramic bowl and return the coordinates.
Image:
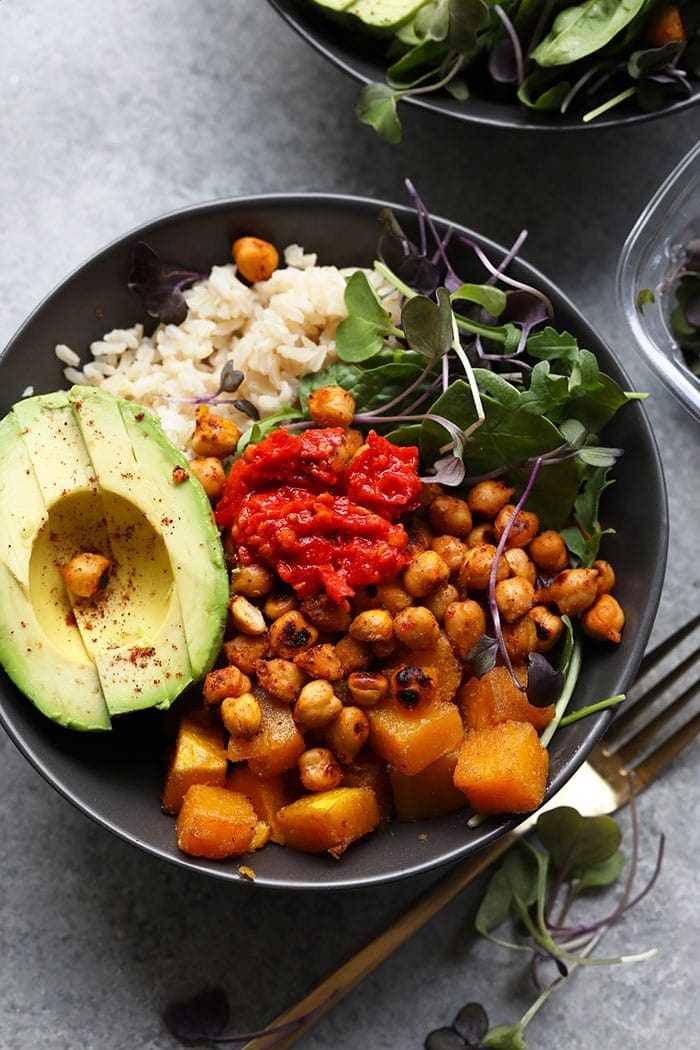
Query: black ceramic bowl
(117, 777)
(363, 59)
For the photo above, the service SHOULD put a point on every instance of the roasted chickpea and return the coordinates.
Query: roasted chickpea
(316, 704)
(367, 688)
(255, 259)
(465, 622)
(281, 678)
(572, 591)
(430, 491)
(210, 474)
(522, 527)
(420, 536)
(549, 553)
(665, 27)
(319, 769)
(604, 619)
(487, 497)
(320, 661)
(353, 655)
(393, 596)
(381, 650)
(548, 625)
(412, 685)
(424, 573)
(350, 445)
(438, 600)
(347, 733)
(450, 514)
(247, 618)
(282, 600)
(213, 435)
(520, 564)
(416, 627)
(225, 681)
(476, 570)
(331, 406)
(252, 581)
(291, 634)
(481, 533)
(451, 550)
(364, 598)
(606, 577)
(520, 638)
(514, 598)
(325, 614)
(86, 574)
(241, 715)
(372, 625)
(244, 651)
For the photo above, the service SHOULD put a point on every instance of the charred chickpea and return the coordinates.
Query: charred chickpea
(465, 622)
(481, 533)
(210, 474)
(420, 536)
(424, 573)
(247, 618)
(514, 598)
(225, 681)
(213, 435)
(86, 574)
(451, 550)
(241, 715)
(572, 591)
(325, 614)
(606, 576)
(412, 685)
(450, 514)
(520, 638)
(520, 564)
(486, 498)
(350, 444)
(320, 661)
(353, 655)
(605, 619)
(255, 259)
(439, 599)
(367, 688)
(549, 553)
(279, 602)
(393, 596)
(331, 406)
(244, 651)
(416, 627)
(252, 581)
(548, 626)
(281, 678)
(372, 625)
(430, 491)
(522, 527)
(347, 734)
(476, 570)
(364, 598)
(316, 704)
(319, 769)
(291, 634)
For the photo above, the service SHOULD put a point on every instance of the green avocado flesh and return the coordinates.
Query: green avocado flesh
(378, 15)
(84, 471)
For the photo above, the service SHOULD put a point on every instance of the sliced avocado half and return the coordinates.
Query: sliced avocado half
(376, 16)
(84, 471)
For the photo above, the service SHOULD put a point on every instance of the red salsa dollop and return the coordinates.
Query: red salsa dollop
(324, 518)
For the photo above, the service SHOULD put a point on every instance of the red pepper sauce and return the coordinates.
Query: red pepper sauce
(294, 503)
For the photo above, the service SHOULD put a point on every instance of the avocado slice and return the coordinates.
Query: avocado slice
(377, 16)
(104, 478)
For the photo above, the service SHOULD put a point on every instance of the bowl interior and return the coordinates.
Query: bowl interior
(117, 778)
(363, 59)
(651, 252)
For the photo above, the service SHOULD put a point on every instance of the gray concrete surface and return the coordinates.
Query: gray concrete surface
(112, 112)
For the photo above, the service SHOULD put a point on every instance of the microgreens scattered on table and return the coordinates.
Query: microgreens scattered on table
(680, 294)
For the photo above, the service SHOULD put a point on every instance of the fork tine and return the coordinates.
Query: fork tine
(657, 654)
(650, 768)
(632, 751)
(631, 712)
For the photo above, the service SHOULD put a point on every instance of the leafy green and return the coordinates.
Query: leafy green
(583, 539)
(579, 31)
(575, 842)
(361, 334)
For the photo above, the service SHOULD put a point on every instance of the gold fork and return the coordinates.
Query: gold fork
(640, 744)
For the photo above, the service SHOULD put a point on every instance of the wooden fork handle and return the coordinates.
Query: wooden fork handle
(334, 988)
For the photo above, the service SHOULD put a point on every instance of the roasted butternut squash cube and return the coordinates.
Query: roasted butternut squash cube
(266, 796)
(368, 770)
(410, 739)
(277, 744)
(198, 757)
(495, 698)
(429, 793)
(214, 822)
(503, 768)
(329, 820)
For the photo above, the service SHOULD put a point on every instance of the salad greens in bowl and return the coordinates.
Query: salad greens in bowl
(485, 372)
(517, 64)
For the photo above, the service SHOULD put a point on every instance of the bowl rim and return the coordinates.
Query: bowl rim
(448, 108)
(647, 237)
(598, 723)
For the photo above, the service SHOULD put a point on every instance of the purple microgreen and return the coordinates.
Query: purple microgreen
(544, 682)
(160, 284)
(471, 1023)
(482, 657)
(246, 408)
(497, 272)
(230, 379)
(203, 1016)
(515, 47)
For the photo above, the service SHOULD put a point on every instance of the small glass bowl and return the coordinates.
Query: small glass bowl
(650, 255)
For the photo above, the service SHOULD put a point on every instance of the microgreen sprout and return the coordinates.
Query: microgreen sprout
(160, 284)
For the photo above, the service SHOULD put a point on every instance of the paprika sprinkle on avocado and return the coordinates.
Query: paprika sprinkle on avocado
(321, 510)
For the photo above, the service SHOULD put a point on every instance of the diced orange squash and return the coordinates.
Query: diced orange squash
(368, 770)
(503, 768)
(411, 739)
(276, 746)
(214, 822)
(429, 793)
(267, 796)
(198, 757)
(329, 820)
(495, 698)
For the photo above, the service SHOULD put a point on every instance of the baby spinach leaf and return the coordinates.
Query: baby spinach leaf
(376, 106)
(579, 31)
(542, 91)
(575, 842)
(583, 539)
(466, 19)
(492, 299)
(361, 334)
